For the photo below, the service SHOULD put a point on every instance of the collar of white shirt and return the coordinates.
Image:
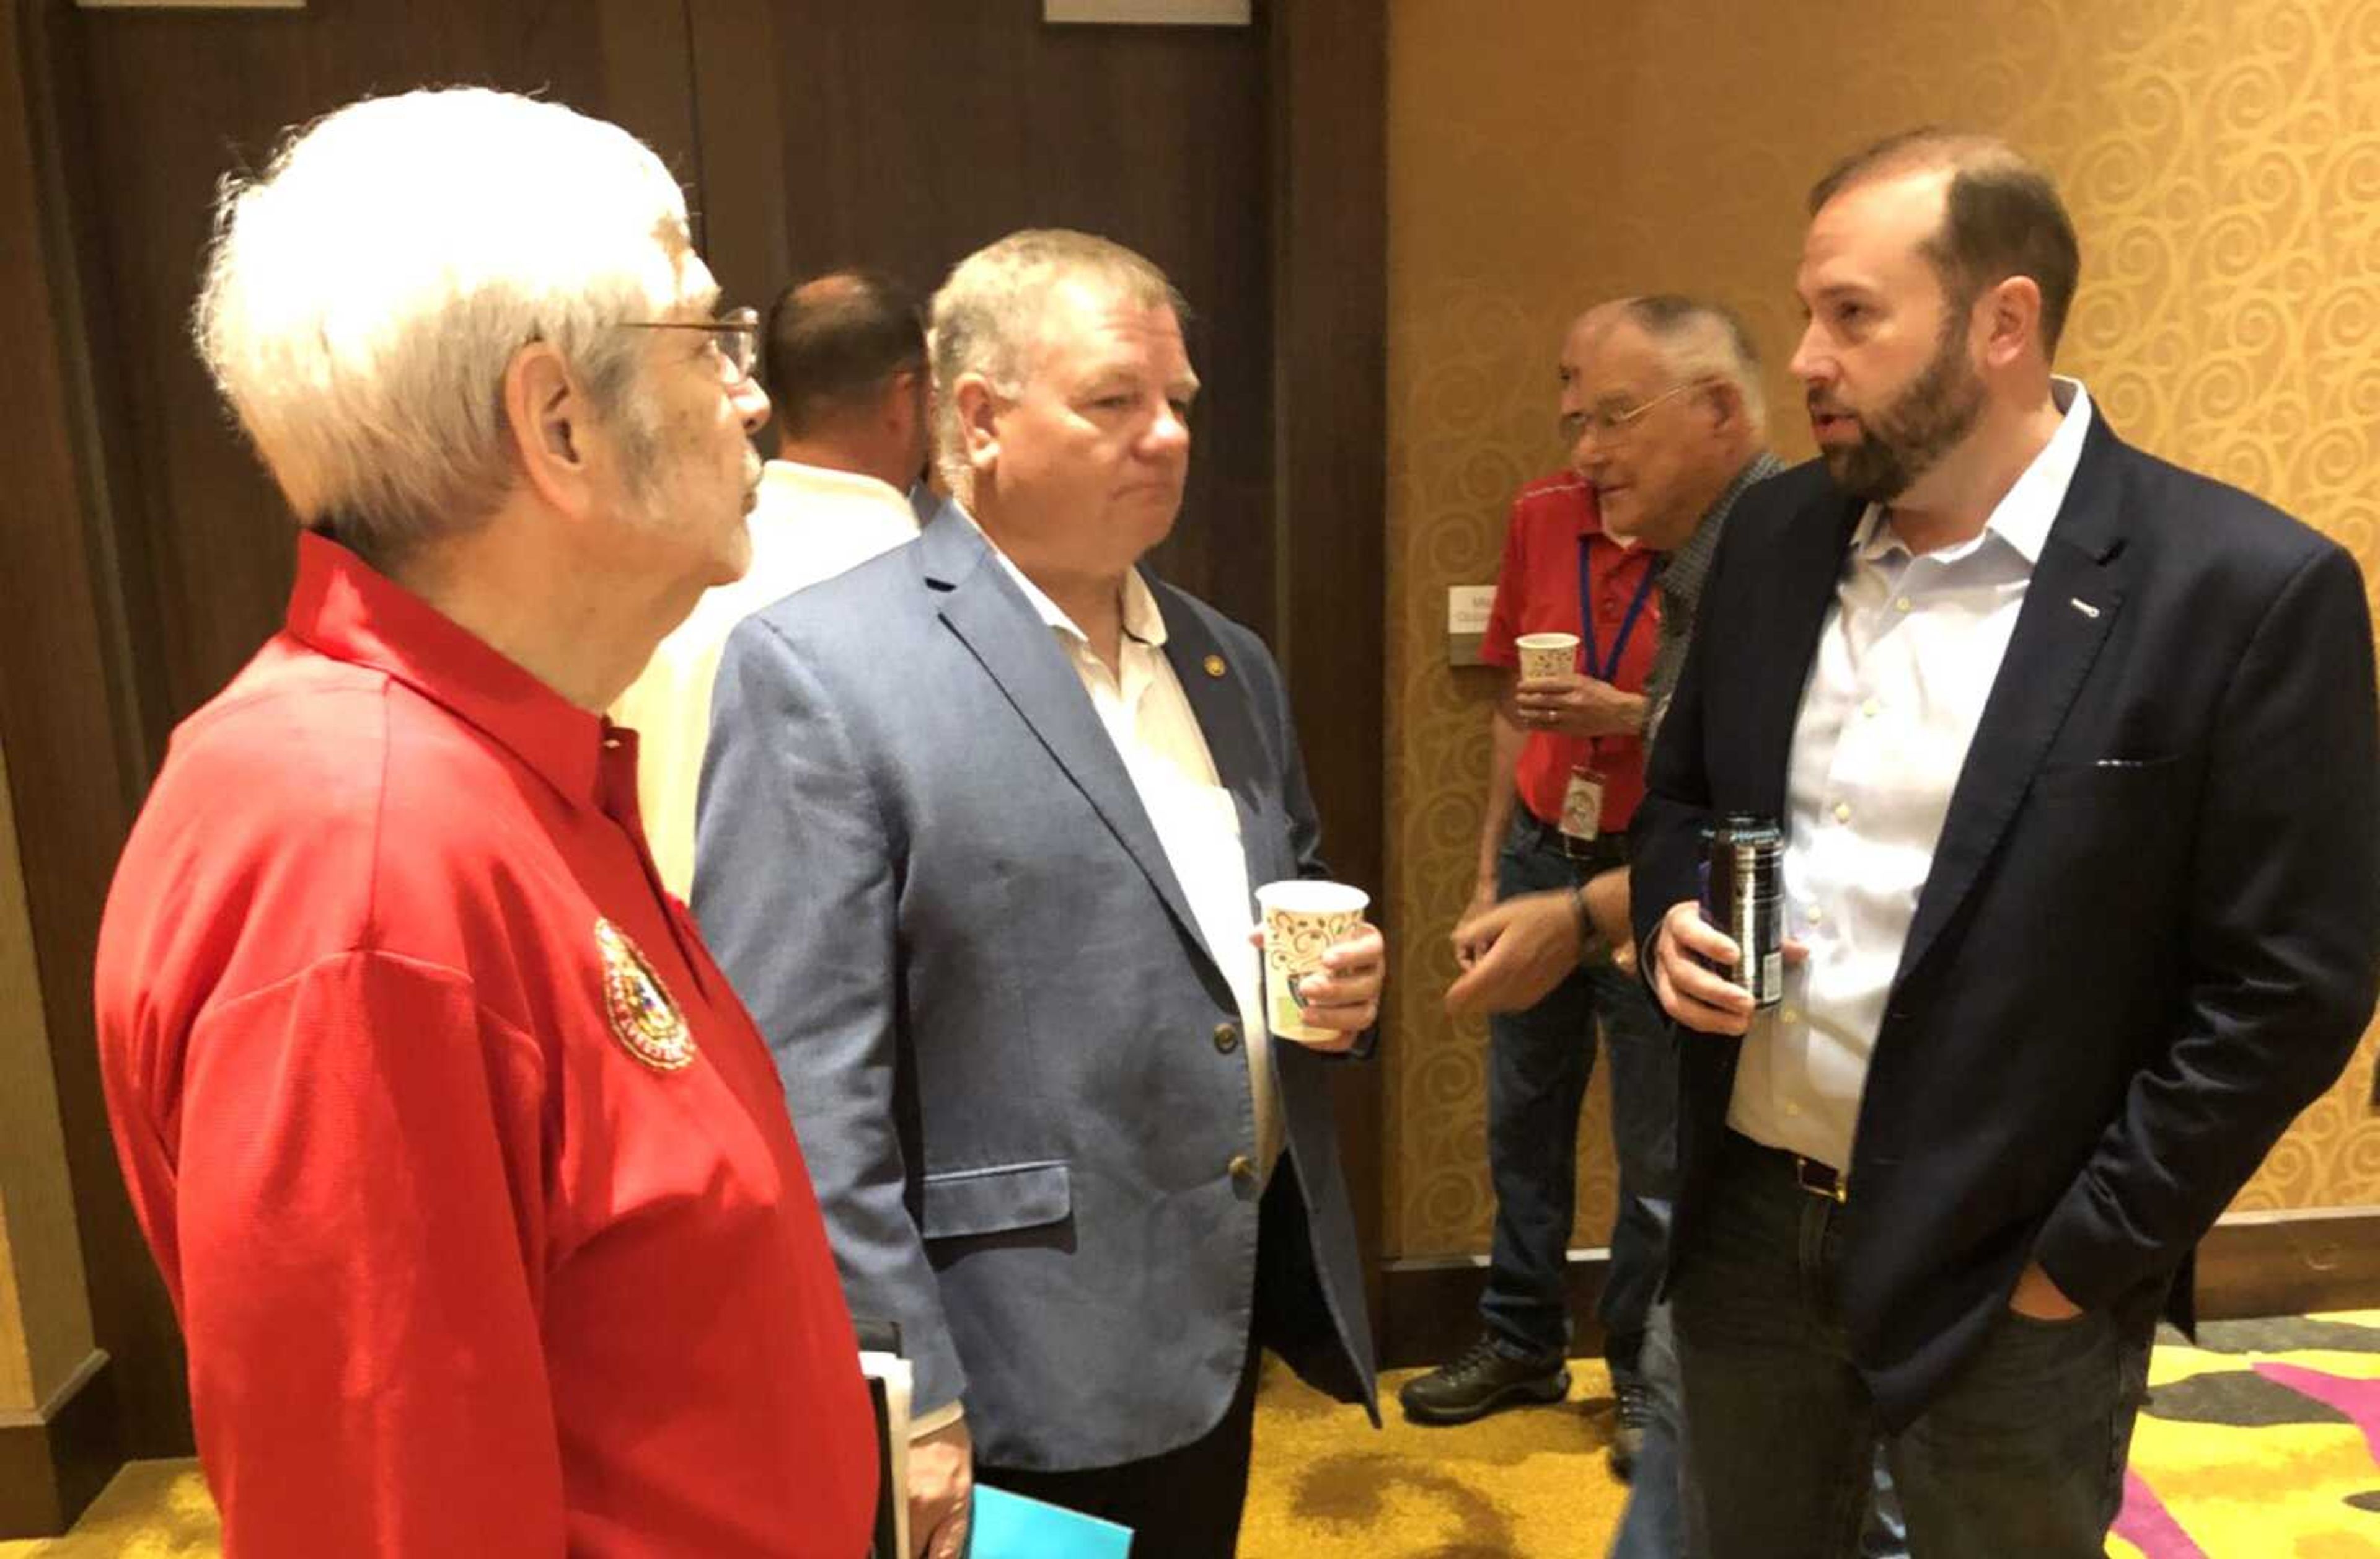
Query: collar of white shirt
(794, 479)
(2023, 517)
(1143, 622)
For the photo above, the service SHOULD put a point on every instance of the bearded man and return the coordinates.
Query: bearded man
(2075, 754)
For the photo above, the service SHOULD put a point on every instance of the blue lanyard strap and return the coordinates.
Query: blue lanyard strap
(1606, 670)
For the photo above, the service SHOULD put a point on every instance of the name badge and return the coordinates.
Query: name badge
(1581, 810)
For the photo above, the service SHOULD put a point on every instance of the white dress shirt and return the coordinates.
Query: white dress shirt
(811, 523)
(1908, 656)
(1157, 735)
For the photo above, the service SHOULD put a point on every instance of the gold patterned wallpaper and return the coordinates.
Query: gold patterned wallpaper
(2222, 161)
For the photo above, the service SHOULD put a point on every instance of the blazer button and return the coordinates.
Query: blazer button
(1227, 1039)
(1242, 1168)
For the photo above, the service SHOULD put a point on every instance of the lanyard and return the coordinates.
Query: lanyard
(1606, 670)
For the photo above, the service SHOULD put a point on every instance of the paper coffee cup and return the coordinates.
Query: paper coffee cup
(1547, 654)
(1303, 919)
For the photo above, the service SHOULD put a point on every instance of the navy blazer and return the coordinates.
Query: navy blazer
(2151, 933)
(1012, 1065)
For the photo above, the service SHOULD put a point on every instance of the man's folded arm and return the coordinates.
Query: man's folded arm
(795, 890)
(2283, 939)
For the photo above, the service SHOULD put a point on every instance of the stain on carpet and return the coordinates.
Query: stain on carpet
(1349, 1490)
(2239, 1398)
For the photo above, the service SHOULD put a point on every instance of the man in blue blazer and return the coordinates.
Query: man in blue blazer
(979, 825)
(2075, 756)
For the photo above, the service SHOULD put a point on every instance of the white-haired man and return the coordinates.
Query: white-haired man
(980, 824)
(471, 1180)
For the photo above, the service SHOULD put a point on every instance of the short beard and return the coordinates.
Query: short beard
(1923, 423)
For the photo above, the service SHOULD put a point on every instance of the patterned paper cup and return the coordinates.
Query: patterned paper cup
(1547, 654)
(1302, 921)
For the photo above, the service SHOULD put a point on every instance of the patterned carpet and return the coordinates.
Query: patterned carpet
(2262, 1442)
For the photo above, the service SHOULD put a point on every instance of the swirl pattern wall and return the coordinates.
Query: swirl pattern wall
(2222, 161)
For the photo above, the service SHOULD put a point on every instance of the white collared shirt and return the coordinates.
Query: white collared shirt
(811, 523)
(1156, 733)
(1907, 658)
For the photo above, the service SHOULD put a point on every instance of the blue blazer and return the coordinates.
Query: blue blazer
(2151, 933)
(1004, 1044)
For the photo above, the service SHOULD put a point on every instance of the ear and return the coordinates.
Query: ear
(899, 406)
(552, 428)
(2007, 319)
(1724, 397)
(978, 408)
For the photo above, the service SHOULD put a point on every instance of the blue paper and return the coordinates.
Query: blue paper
(1009, 1525)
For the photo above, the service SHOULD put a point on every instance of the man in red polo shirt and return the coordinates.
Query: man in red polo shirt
(1566, 771)
(471, 1181)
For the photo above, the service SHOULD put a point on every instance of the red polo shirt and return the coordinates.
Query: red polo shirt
(472, 1180)
(1537, 591)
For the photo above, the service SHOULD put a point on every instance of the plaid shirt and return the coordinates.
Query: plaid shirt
(1681, 591)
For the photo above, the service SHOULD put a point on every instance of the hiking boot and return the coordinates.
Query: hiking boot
(1479, 1380)
(1632, 1408)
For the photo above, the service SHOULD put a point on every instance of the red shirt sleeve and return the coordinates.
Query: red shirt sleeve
(360, 1206)
(1512, 589)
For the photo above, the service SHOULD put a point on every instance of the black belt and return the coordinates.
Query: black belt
(1607, 849)
(1808, 1174)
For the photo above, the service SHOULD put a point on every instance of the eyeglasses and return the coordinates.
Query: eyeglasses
(1604, 423)
(734, 336)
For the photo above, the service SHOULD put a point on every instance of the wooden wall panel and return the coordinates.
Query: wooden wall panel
(189, 96)
(905, 134)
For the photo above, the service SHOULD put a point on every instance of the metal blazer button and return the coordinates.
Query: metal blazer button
(1227, 1038)
(1242, 1168)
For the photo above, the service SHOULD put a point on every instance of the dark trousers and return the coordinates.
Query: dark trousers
(1185, 1503)
(1539, 1063)
(2022, 1452)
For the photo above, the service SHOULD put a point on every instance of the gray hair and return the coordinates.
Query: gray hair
(1699, 339)
(365, 295)
(987, 318)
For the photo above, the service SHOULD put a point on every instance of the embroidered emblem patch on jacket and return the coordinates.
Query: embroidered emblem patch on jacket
(644, 1017)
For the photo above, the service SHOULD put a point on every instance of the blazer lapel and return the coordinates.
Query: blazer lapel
(990, 615)
(1217, 691)
(2070, 606)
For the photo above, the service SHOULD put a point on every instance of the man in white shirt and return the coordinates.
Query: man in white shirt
(2075, 756)
(844, 357)
(978, 844)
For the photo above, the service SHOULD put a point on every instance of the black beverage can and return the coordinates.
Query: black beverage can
(1743, 894)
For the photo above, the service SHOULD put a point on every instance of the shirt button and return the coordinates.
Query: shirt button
(1869, 708)
(1842, 811)
(1227, 1038)
(1792, 1110)
(1901, 604)
(1242, 1168)
(1791, 1015)
(1817, 914)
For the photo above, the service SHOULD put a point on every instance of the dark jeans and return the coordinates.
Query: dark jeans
(2022, 1452)
(1539, 1061)
(1650, 1521)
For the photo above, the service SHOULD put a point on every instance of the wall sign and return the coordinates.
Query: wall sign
(1161, 13)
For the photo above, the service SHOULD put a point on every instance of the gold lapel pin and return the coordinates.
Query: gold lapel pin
(1214, 665)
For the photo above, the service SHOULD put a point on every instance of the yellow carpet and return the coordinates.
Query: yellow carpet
(2262, 1442)
(1532, 1481)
